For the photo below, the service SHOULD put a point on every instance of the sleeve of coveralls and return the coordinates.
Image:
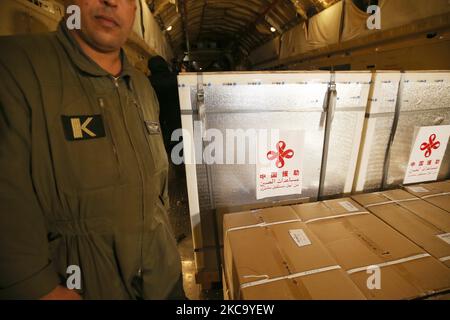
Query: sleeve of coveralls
(25, 268)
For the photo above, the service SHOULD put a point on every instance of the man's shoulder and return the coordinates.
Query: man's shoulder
(144, 90)
(141, 80)
(27, 40)
(139, 76)
(15, 47)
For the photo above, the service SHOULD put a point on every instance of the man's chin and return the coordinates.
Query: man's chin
(106, 44)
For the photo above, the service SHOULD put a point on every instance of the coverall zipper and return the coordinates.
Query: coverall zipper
(141, 174)
(113, 142)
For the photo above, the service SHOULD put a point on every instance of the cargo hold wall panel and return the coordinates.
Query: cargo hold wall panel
(29, 17)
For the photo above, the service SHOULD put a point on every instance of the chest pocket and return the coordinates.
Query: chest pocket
(88, 148)
(153, 133)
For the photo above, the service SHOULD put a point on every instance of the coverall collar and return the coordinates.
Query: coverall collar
(82, 61)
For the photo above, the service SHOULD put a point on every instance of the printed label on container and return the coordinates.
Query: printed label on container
(300, 237)
(427, 154)
(279, 171)
(347, 205)
(418, 189)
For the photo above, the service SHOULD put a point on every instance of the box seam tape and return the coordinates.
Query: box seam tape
(390, 263)
(435, 195)
(291, 276)
(338, 216)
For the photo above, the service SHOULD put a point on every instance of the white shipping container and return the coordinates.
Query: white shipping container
(422, 99)
(280, 100)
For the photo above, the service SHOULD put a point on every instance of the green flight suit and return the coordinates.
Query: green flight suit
(83, 175)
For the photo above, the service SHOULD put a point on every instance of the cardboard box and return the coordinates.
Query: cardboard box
(425, 224)
(437, 193)
(440, 297)
(205, 249)
(226, 292)
(206, 246)
(222, 211)
(271, 255)
(358, 240)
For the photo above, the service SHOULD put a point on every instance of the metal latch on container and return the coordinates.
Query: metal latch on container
(329, 103)
(201, 104)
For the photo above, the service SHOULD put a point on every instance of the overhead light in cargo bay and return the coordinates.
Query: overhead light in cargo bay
(274, 26)
(171, 22)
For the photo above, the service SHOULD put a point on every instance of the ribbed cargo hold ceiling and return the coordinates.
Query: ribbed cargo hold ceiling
(208, 28)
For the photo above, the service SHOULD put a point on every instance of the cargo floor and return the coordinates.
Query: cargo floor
(181, 225)
(193, 291)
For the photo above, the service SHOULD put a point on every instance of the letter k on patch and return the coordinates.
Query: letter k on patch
(83, 127)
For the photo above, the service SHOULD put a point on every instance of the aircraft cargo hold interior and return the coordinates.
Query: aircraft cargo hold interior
(249, 150)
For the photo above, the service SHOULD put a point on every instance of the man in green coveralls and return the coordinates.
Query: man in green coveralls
(83, 170)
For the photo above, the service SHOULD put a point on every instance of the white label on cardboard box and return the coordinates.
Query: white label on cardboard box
(445, 237)
(347, 205)
(427, 154)
(279, 169)
(418, 189)
(300, 237)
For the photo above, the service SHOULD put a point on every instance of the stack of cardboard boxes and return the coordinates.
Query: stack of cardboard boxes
(386, 245)
(437, 193)
(271, 254)
(423, 223)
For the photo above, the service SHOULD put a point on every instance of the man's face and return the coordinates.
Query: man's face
(106, 24)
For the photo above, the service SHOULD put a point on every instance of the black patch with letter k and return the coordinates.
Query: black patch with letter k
(83, 127)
